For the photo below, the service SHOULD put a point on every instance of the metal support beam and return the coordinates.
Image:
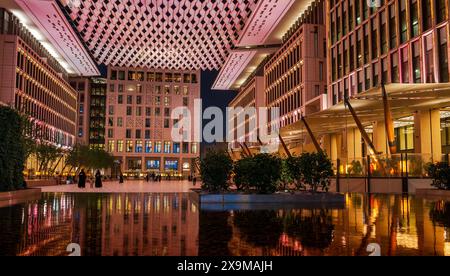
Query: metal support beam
(311, 134)
(360, 127)
(248, 150)
(259, 141)
(243, 150)
(284, 146)
(388, 121)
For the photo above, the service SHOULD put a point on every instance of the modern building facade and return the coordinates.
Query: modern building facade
(139, 104)
(341, 50)
(35, 84)
(400, 42)
(251, 95)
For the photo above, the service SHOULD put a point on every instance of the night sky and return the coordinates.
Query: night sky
(219, 98)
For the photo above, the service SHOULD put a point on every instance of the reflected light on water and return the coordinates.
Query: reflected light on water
(173, 224)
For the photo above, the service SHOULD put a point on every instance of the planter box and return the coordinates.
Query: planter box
(434, 194)
(273, 201)
(20, 196)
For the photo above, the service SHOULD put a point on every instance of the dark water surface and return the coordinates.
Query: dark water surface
(173, 225)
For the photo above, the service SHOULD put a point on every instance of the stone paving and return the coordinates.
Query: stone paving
(127, 187)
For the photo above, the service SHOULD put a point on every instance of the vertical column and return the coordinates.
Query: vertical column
(325, 143)
(354, 149)
(334, 146)
(379, 137)
(427, 140)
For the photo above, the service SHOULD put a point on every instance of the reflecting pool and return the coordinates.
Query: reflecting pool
(174, 225)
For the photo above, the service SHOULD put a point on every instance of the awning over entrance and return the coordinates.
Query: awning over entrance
(404, 99)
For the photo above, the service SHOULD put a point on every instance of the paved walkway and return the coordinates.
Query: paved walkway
(127, 187)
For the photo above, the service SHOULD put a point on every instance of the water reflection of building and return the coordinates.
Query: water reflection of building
(401, 225)
(119, 224)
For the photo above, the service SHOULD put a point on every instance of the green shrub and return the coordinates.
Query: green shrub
(215, 169)
(12, 150)
(440, 174)
(260, 172)
(316, 170)
(242, 173)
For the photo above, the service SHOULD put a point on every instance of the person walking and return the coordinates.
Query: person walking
(82, 180)
(98, 179)
(121, 178)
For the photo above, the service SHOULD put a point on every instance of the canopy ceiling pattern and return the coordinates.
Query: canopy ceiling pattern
(169, 34)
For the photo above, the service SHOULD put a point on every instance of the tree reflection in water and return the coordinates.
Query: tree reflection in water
(259, 228)
(313, 228)
(440, 213)
(265, 228)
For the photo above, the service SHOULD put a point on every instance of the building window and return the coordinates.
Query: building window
(176, 90)
(426, 14)
(185, 101)
(147, 122)
(113, 75)
(138, 134)
(147, 134)
(443, 54)
(429, 59)
(128, 134)
(405, 138)
(157, 148)
(110, 146)
(403, 24)
(120, 99)
(112, 88)
(185, 147)
(395, 76)
(414, 14)
(150, 76)
(167, 90)
(194, 148)
(176, 147)
(405, 65)
(159, 77)
(186, 78)
(367, 78)
(166, 147)
(416, 62)
(129, 99)
(157, 100)
(157, 111)
(129, 111)
(111, 110)
(441, 10)
(120, 88)
(148, 146)
(110, 133)
(129, 146)
(158, 90)
(138, 111)
(119, 146)
(375, 72)
(138, 99)
(138, 146)
(383, 34)
(121, 75)
(148, 111)
(153, 164)
(185, 90)
(119, 122)
(171, 165)
(166, 123)
(374, 34)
